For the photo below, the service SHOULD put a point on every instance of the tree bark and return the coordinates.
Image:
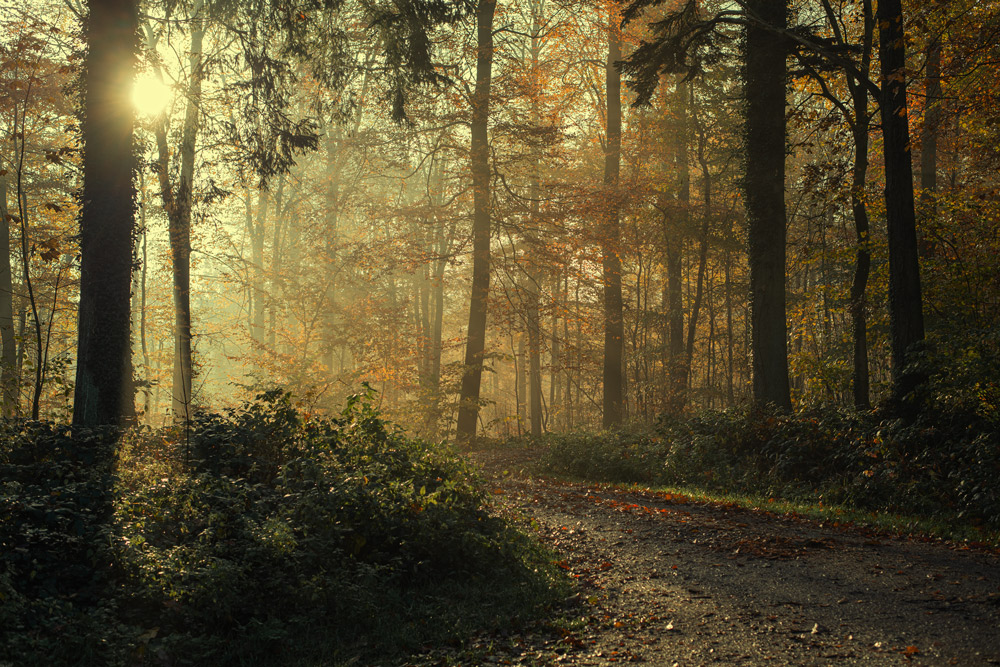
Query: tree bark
(258, 230)
(179, 205)
(862, 264)
(676, 376)
(765, 73)
(614, 325)
(906, 320)
(8, 345)
(702, 257)
(468, 410)
(534, 359)
(104, 392)
(533, 275)
(931, 127)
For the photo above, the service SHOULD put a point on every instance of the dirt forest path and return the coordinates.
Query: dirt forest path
(666, 581)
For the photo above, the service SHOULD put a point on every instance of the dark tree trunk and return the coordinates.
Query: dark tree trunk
(931, 127)
(764, 183)
(702, 255)
(257, 230)
(179, 205)
(906, 320)
(105, 392)
(533, 275)
(8, 345)
(468, 409)
(534, 360)
(676, 375)
(862, 265)
(614, 326)
(435, 344)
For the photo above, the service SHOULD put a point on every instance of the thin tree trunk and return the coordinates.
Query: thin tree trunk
(614, 326)
(521, 384)
(730, 339)
(568, 355)
(139, 296)
(862, 264)
(8, 352)
(257, 229)
(534, 359)
(277, 260)
(931, 127)
(533, 278)
(178, 205)
(180, 232)
(334, 165)
(143, 277)
(468, 411)
(674, 241)
(555, 386)
(434, 409)
(28, 283)
(702, 258)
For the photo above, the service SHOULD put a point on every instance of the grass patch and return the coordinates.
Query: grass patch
(839, 515)
(260, 537)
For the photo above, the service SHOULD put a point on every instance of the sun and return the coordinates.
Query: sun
(150, 95)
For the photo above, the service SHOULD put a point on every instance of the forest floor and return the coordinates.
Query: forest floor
(664, 580)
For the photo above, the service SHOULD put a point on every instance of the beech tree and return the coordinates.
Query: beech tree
(614, 331)
(178, 202)
(765, 80)
(104, 389)
(468, 411)
(905, 301)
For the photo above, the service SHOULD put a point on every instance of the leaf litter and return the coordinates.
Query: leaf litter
(664, 580)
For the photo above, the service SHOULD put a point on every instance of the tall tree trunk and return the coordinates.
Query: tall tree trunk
(906, 319)
(104, 392)
(614, 325)
(277, 260)
(143, 279)
(257, 230)
(435, 345)
(521, 383)
(334, 163)
(555, 386)
(674, 241)
(931, 127)
(139, 296)
(534, 359)
(862, 263)
(702, 256)
(468, 410)
(765, 75)
(730, 339)
(179, 205)
(8, 345)
(533, 275)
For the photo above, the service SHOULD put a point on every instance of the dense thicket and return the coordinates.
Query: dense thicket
(261, 533)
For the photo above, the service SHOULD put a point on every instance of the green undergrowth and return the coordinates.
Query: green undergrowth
(262, 536)
(937, 472)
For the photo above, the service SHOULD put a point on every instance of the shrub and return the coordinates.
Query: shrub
(944, 463)
(260, 534)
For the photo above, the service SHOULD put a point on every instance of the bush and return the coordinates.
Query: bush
(944, 463)
(56, 492)
(264, 534)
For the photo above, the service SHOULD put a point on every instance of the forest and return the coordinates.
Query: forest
(279, 279)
